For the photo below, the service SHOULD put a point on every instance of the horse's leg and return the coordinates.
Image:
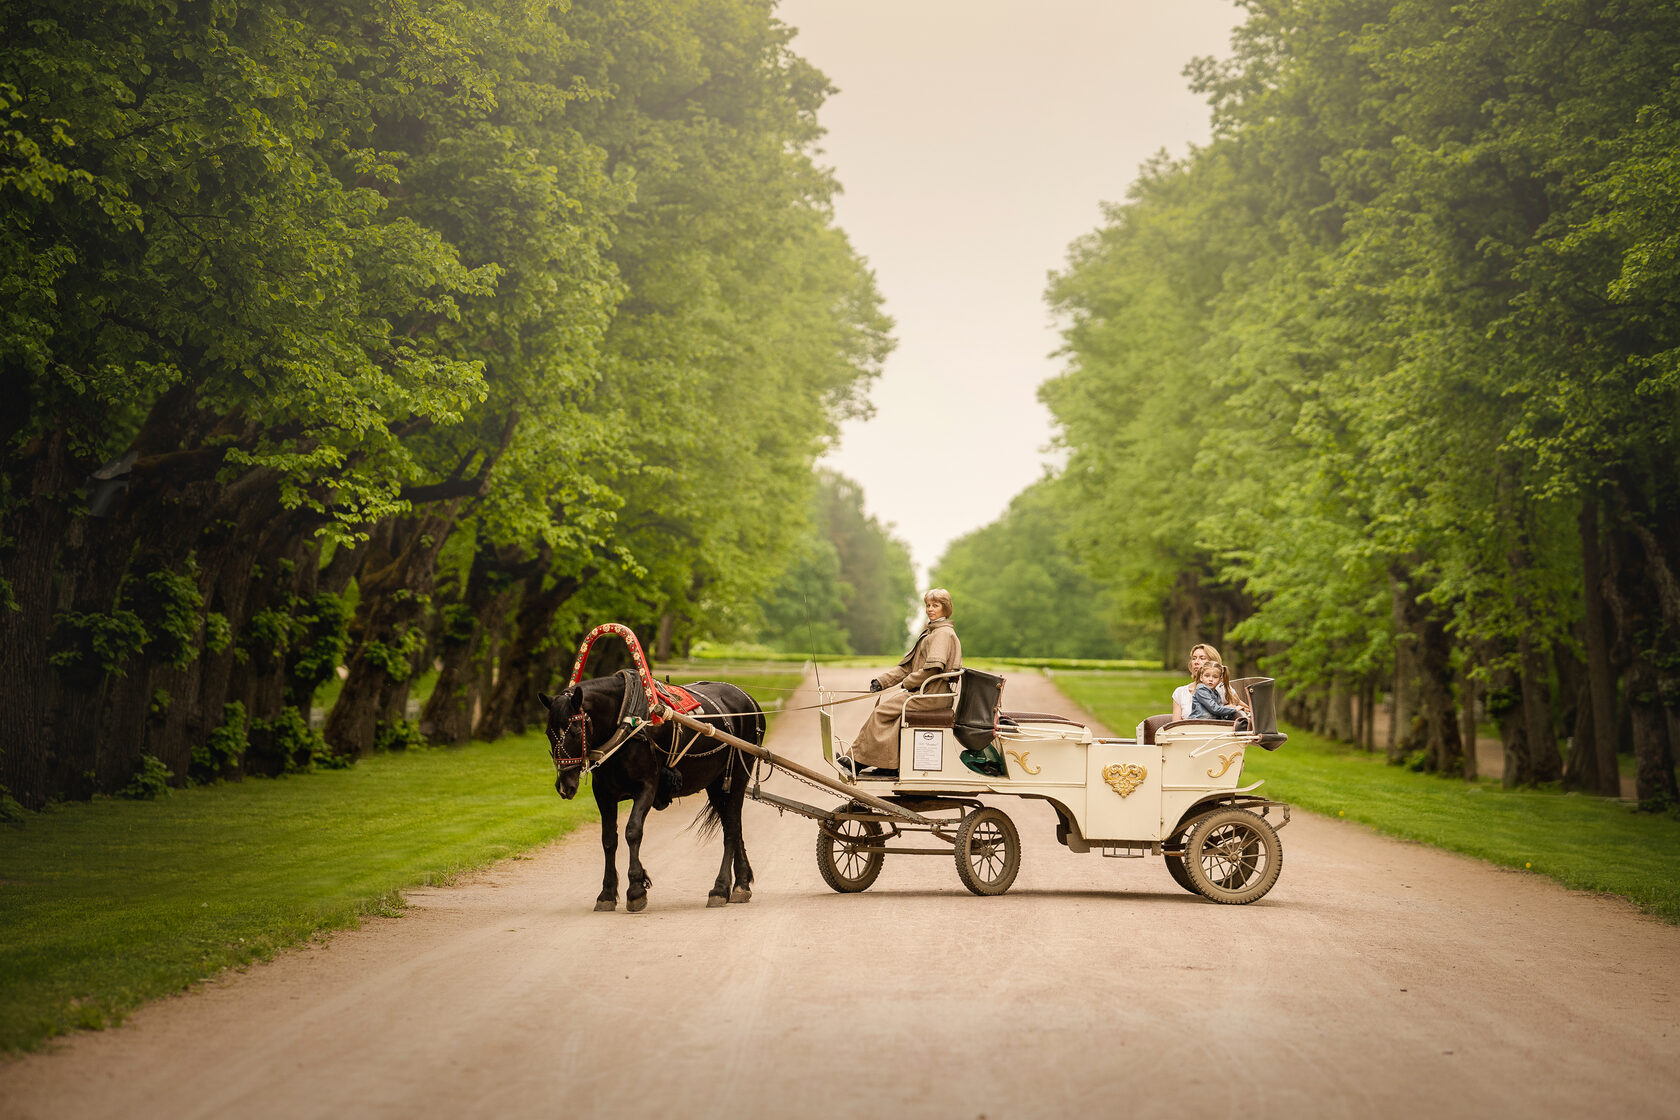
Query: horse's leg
(635, 897)
(607, 803)
(719, 895)
(734, 800)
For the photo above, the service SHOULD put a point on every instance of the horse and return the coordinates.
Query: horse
(586, 718)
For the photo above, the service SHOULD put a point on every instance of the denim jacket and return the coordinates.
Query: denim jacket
(1204, 704)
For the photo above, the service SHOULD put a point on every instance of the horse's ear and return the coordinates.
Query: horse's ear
(548, 701)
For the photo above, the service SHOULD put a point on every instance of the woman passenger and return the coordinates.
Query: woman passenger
(1200, 654)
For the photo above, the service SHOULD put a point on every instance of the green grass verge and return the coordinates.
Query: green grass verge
(106, 904)
(1584, 842)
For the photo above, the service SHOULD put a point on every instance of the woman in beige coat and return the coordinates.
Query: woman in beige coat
(936, 650)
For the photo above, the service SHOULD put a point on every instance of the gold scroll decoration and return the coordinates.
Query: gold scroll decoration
(1124, 777)
(1020, 758)
(1227, 760)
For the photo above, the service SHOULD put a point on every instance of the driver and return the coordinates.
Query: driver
(936, 650)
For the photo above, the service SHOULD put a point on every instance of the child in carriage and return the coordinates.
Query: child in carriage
(1213, 684)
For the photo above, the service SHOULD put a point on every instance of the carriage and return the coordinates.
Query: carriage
(1171, 790)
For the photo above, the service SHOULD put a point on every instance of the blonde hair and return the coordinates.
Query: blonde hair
(1208, 651)
(1224, 675)
(938, 595)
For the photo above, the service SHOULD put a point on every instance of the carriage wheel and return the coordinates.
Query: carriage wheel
(852, 862)
(988, 851)
(1175, 864)
(1233, 856)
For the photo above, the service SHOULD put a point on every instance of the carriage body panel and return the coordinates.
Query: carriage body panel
(1114, 790)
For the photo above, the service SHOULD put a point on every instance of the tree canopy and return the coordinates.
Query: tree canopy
(1379, 385)
(393, 336)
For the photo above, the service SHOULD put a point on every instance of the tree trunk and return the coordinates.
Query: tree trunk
(1338, 714)
(1644, 641)
(1654, 782)
(1504, 702)
(466, 648)
(396, 582)
(1368, 710)
(530, 658)
(1537, 710)
(1434, 729)
(1402, 701)
(36, 533)
(1601, 680)
(1467, 720)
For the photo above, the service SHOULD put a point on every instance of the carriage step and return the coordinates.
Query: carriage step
(1128, 851)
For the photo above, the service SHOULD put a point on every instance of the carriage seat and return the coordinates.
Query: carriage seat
(1037, 717)
(1156, 724)
(930, 717)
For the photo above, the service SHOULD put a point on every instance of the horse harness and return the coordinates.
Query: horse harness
(633, 721)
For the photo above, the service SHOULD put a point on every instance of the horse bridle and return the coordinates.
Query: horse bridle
(586, 758)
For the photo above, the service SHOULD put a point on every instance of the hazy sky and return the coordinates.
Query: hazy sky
(974, 141)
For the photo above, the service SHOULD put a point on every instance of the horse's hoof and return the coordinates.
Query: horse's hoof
(741, 894)
(604, 904)
(636, 905)
(716, 900)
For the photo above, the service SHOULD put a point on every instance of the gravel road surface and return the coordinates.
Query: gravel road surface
(1379, 978)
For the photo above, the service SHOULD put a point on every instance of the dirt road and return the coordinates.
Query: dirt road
(1379, 978)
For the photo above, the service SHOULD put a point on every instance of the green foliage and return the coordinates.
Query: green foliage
(398, 735)
(318, 649)
(223, 749)
(396, 659)
(218, 632)
(112, 903)
(295, 745)
(1391, 324)
(151, 781)
(106, 639)
(849, 586)
(562, 279)
(1017, 590)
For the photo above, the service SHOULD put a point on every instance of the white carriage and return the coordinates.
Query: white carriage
(1170, 790)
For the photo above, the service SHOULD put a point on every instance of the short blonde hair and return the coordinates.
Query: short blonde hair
(938, 595)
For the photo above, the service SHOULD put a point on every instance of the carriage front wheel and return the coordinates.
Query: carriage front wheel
(1233, 856)
(988, 851)
(849, 855)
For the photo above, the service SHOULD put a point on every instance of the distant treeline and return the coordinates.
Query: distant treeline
(361, 338)
(1379, 388)
(850, 587)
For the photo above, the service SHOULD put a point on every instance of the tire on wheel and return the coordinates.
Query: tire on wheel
(1233, 856)
(988, 851)
(1175, 864)
(846, 860)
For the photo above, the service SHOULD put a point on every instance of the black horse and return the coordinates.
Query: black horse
(586, 718)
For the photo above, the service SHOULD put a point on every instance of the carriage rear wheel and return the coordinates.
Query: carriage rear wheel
(849, 855)
(988, 851)
(1233, 856)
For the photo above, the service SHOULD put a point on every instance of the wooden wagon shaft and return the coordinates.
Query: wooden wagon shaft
(665, 711)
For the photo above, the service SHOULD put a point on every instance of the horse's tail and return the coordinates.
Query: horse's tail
(749, 725)
(707, 821)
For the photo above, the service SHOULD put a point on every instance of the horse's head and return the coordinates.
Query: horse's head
(568, 737)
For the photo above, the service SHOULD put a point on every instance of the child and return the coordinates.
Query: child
(1205, 702)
